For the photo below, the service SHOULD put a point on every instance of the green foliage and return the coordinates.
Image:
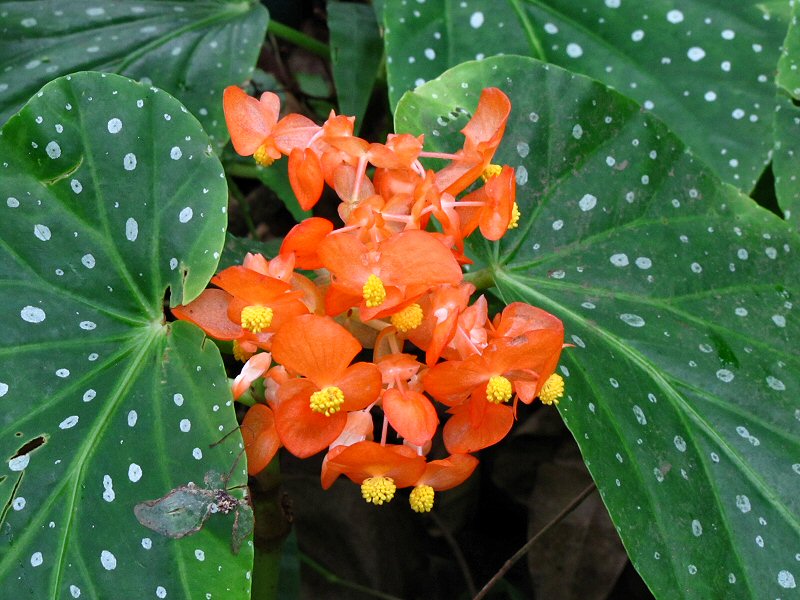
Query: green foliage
(111, 195)
(704, 68)
(786, 156)
(191, 49)
(356, 53)
(677, 293)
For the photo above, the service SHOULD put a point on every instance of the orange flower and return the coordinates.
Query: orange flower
(380, 279)
(312, 410)
(476, 425)
(505, 366)
(482, 134)
(441, 475)
(255, 129)
(489, 207)
(408, 411)
(379, 469)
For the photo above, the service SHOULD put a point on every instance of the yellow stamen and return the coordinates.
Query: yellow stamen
(327, 400)
(552, 389)
(407, 319)
(262, 157)
(373, 291)
(491, 171)
(515, 215)
(421, 498)
(239, 354)
(498, 389)
(256, 318)
(378, 490)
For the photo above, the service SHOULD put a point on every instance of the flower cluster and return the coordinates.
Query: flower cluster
(383, 282)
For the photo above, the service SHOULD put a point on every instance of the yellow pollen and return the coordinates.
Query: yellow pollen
(378, 490)
(373, 291)
(552, 389)
(262, 157)
(240, 354)
(407, 319)
(491, 171)
(327, 400)
(498, 389)
(515, 215)
(256, 318)
(421, 499)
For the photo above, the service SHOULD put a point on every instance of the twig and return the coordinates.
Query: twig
(462, 562)
(529, 544)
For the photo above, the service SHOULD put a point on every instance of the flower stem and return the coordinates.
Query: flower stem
(481, 279)
(299, 39)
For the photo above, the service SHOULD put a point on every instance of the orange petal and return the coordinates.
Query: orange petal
(261, 440)
(461, 437)
(415, 257)
(370, 459)
(254, 368)
(448, 473)
(305, 177)
(411, 414)
(303, 431)
(304, 240)
(209, 311)
(249, 121)
(293, 131)
(316, 347)
(452, 382)
(361, 384)
(249, 286)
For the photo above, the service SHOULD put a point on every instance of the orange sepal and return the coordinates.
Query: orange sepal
(254, 368)
(261, 441)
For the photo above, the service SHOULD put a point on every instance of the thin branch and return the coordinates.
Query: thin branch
(529, 544)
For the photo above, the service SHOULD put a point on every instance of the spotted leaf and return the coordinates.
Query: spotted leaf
(705, 68)
(105, 205)
(677, 293)
(786, 156)
(191, 49)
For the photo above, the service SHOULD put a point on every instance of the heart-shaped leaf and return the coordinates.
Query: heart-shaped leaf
(110, 194)
(677, 293)
(191, 49)
(704, 68)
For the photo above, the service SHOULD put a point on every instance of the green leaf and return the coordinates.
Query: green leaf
(356, 53)
(192, 49)
(788, 76)
(704, 68)
(786, 124)
(677, 294)
(786, 158)
(105, 205)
